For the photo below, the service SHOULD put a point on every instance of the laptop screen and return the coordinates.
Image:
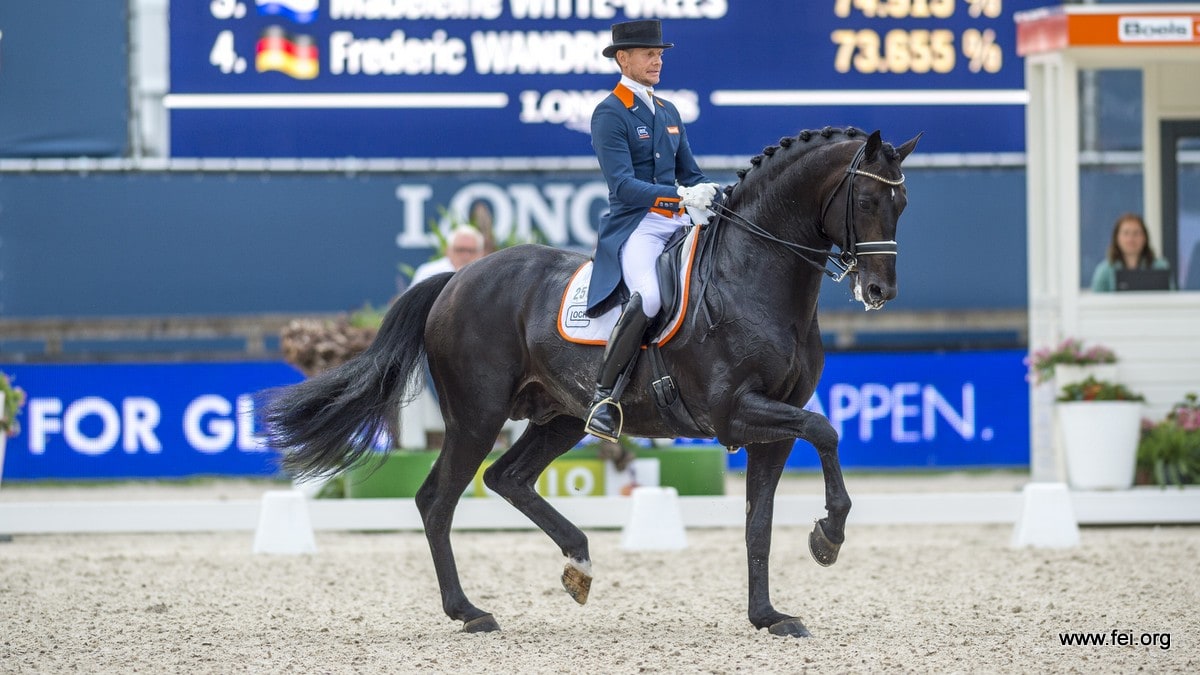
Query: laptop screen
(1143, 280)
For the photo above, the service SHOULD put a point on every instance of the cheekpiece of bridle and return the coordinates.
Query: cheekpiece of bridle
(846, 261)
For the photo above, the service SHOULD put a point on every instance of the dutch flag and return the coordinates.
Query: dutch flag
(300, 11)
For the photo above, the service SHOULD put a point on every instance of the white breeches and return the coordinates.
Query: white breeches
(639, 257)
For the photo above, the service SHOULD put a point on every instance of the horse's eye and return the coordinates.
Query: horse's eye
(864, 204)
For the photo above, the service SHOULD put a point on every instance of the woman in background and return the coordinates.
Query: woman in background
(1128, 249)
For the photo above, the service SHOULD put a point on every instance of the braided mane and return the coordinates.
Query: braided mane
(775, 158)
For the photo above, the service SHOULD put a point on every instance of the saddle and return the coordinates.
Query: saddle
(668, 267)
(674, 267)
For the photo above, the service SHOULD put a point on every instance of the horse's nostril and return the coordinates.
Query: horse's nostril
(881, 293)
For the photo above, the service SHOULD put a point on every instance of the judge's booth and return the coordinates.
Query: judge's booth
(1095, 73)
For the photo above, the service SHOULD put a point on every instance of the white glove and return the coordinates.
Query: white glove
(698, 196)
(699, 216)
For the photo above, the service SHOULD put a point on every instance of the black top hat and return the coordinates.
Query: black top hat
(632, 34)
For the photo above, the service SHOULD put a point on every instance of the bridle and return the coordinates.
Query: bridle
(846, 261)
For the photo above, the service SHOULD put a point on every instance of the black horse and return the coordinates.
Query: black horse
(746, 360)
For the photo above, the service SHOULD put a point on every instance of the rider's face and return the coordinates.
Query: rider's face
(641, 64)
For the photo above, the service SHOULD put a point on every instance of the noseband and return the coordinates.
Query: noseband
(847, 260)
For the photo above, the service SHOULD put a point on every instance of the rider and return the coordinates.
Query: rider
(652, 177)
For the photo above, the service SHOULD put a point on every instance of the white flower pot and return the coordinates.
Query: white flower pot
(1069, 373)
(1100, 439)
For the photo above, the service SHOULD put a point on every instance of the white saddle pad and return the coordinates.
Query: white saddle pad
(574, 325)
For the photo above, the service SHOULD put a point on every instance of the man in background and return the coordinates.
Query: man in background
(464, 245)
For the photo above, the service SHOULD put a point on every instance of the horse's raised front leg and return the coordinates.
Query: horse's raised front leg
(462, 454)
(829, 533)
(757, 419)
(514, 477)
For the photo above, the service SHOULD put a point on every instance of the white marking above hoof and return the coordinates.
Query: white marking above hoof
(584, 566)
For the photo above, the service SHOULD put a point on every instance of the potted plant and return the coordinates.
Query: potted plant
(1071, 362)
(1169, 450)
(1101, 422)
(314, 346)
(12, 399)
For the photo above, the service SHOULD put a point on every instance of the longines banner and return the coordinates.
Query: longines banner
(176, 420)
(520, 78)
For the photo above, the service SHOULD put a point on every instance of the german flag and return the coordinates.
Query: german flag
(292, 55)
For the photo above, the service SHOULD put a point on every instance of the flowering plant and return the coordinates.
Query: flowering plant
(12, 399)
(1170, 450)
(1092, 389)
(1070, 351)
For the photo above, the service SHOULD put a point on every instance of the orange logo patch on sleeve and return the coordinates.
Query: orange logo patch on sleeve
(672, 130)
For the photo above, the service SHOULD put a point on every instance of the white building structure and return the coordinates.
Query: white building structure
(1156, 335)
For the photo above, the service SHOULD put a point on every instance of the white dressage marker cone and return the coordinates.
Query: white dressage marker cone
(283, 524)
(1047, 518)
(655, 523)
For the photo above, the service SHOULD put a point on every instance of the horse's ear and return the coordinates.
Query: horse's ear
(908, 147)
(874, 144)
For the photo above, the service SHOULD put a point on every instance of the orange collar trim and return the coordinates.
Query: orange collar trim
(624, 94)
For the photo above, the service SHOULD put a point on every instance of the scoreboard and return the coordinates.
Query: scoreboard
(519, 78)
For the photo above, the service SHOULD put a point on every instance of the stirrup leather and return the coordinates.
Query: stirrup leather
(620, 419)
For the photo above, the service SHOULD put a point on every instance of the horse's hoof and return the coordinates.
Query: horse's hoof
(823, 551)
(481, 624)
(577, 580)
(790, 627)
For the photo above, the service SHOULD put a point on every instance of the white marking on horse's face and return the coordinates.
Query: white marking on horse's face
(893, 194)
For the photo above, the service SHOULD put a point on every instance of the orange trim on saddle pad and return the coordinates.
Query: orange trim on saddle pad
(572, 309)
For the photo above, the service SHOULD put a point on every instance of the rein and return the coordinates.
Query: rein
(847, 260)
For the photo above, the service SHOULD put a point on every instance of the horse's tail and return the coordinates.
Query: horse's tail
(329, 422)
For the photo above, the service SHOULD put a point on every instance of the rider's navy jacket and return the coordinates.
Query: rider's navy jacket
(643, 157)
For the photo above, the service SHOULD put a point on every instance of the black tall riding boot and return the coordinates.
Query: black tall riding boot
(606, 419)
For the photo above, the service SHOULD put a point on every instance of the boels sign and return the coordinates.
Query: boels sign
(1159, 29)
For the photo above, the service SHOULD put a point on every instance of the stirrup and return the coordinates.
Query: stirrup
(620, 419)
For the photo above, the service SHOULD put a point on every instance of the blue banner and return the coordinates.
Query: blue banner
(921, 410)
(141, 421)
(520, 78)
(904, 410)
(121, 261)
